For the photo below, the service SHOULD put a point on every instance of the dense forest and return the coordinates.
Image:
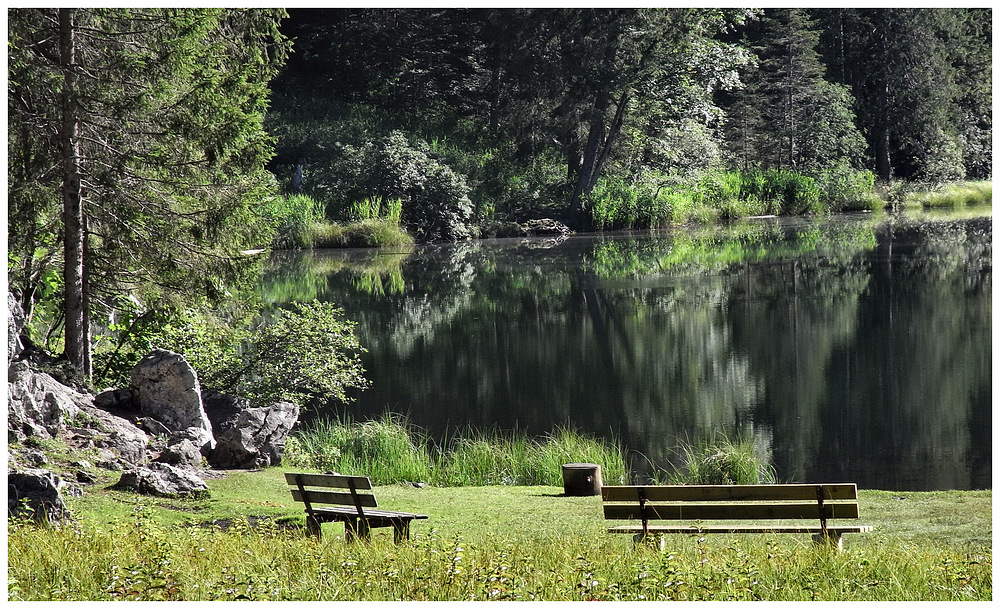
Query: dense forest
(151, 151)
(568, 109)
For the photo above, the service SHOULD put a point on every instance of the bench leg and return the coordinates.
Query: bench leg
(312, 527)
(834, 540)
(401, 531)
(658, 542)
(357, 528)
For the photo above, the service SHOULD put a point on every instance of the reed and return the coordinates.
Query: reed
(724, 460)
(391, 450)
(957, 195)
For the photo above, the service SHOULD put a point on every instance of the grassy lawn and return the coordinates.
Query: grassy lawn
(505, 543)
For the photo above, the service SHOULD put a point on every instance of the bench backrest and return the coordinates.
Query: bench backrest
(731, 502)
(310, 489)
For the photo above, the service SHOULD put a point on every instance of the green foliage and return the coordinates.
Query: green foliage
(843, 188)
(615, 204)
(722, 460)
(760, 192)
(390, 450)
(304, 353)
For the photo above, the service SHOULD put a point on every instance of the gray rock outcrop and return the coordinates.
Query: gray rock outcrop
(36, 494)
(118, 439)
(37, 404)
(248, 437)
(167, 389)
(15, 323)
(162, 480)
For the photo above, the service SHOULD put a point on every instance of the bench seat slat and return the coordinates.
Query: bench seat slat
(762, 528)
(369, 514)
(745, 492)
(330, 497)
(361, 483)
(728, 511)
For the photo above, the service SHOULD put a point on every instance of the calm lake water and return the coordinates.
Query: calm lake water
(852, 348)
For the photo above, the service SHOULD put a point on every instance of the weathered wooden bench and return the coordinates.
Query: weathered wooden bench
(759, 502)
(356, 507)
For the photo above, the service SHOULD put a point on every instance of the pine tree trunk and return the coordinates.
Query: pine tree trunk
(76, 335)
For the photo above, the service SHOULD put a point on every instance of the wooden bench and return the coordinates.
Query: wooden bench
(355, 507)
(758, 502)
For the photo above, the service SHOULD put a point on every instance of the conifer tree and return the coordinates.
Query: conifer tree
(144, 127)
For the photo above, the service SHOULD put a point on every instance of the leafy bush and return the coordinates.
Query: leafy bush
(440, 209)
(843, 188)
(304, 354)
(392, 178)
(308, 352)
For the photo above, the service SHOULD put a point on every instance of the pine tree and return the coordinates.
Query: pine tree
(789, 115)
(149, 124)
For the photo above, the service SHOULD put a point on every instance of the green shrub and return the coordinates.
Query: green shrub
(844, 188)
(615, 204)
(738, 194)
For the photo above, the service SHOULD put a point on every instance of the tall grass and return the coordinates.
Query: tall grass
(374, 232)
(724, 460)
(616, 204)
(529, 547)
(391, 450)
(292, 218)
(952, 195)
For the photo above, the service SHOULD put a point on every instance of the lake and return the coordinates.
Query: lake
(850, 348)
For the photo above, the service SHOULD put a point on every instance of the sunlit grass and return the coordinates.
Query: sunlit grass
(498, 542)
(957, 195)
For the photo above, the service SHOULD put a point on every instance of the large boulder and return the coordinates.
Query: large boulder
(248, 437)
(163, 480)
(36, 494)
(37, 404)
(166, 388)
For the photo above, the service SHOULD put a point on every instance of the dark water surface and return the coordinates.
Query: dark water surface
(852, 348)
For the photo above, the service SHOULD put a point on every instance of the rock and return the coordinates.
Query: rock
(37, 404)
(182, 452)
(152, 426)
(248, 437)
(167, 389)
(163, 480)
(34, 457)
(118, 439)
(546, 226)
(36, 494)
(116, 400)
